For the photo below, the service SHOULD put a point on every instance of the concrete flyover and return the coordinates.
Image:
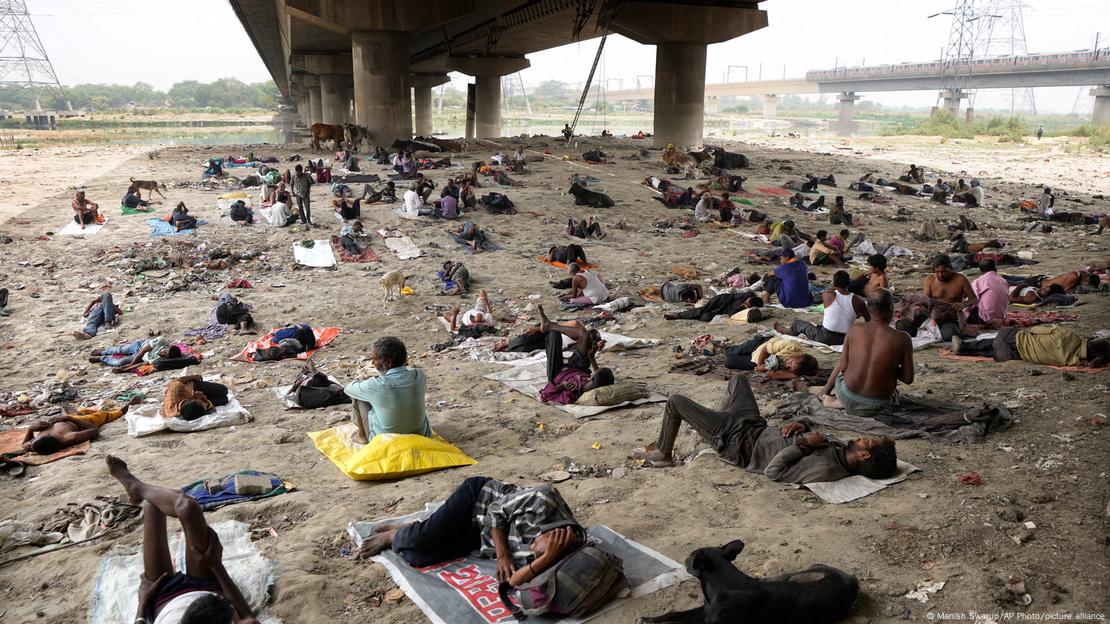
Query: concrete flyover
(369, 61)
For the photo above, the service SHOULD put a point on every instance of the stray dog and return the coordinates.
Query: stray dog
(817, 595)
(391, 280)
(150, 186)
(586, 197)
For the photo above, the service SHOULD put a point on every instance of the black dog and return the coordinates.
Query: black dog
(730, 160)
(817, 595)
(586, 197)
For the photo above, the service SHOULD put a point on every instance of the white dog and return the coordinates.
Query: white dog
(391, 280)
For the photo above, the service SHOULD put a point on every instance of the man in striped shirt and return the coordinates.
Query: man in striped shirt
(527, 530)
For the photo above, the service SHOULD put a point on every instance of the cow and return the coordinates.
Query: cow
(355, 135)
(326, 132)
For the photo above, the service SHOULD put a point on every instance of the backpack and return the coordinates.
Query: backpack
(578, 585)
(312, 390)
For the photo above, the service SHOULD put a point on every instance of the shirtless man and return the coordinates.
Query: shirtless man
(875, 358)
(864, 285)
(85, 212)
(77, 425)
(948, 286)
(1070, 281)
(203, 591)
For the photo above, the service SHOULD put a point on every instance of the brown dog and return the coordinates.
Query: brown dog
(150, 186)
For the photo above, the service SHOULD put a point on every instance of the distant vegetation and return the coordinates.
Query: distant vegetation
(226, 93)
(944, 124)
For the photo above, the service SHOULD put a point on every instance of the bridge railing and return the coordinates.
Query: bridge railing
(1063, 60)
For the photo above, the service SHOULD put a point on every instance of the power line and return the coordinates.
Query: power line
(191, 7)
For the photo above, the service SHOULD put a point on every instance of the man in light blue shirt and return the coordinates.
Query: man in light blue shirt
(392, 402)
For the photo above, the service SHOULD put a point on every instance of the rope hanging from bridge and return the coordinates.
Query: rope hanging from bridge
(586, 89)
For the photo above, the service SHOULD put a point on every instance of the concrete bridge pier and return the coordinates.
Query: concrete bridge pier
(950, 100)
(333, 98)
(422, 98)
(680, 35)
(312, 96)
(1101, 112)
(487, 72)
(771, 106)
(844, 124)
(381, 76)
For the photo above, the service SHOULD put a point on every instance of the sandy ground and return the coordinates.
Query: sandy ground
(1050, 466)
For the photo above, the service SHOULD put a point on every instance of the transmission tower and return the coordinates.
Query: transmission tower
(958, 54)
(1004, 35)
(23, 60)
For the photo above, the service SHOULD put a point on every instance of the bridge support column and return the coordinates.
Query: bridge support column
(771, 106)
(1101, 112)
(681, 34)
(312, 96)
(333, 98)
(844, 124)
(422, 99)
(383, 102)
(950, 100)
(487, 72)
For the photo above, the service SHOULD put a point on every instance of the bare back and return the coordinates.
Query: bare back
(875, 357)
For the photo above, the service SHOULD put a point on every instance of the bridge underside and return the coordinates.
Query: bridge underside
(326, 55)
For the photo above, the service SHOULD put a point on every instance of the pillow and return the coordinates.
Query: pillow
(614, 394)
(388, 455)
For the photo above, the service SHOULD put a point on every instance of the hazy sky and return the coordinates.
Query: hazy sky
(203, 40)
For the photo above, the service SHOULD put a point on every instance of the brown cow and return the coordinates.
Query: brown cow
(325, 132)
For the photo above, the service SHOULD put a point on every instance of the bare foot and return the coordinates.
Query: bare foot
(654, 457)
(118, 469)
(360, 438)
(831, 402)
(782, 329)
(545, 324)
(376, 544)
(81, 335)
(69, 409)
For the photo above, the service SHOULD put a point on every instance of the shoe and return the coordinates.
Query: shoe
(957, 342)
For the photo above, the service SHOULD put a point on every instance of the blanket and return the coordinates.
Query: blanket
(71, 228)
(775, 191)
(324, 337)
(146, 419)
(857, 486)
(911, 417)
(528, 377)
(563, 265)
(319, 255)
(367, 254)
(11, 448)
(1029, 318)
(400, 244)
(948, 355)
(128, 210)
(212, 494)
(115, 590)
(919, 342)
(464, 591)
(159, 227)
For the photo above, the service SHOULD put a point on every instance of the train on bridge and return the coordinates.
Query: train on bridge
(986, 65)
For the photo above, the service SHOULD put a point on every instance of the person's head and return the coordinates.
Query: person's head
(724, 196)
(787, 255)
(844, 234)
(299, 169)
(942, 267)
(986, 266)
(390, 185)
(46, 444)
(913, 166)
(842, 280)
(693, 294)
(1098, 352)
(877, 262)
(822, 235)
(754, 302)
(873, 457)
(81, 194)
(209, 609)
(1089, 280)
(603, 377)
(131, 189)
(420, 177)
(960, 182)
(388, 352)
(1056, 289)
(802, 365)
(880, 305)
(1047, 191)
(974, 183)
(171, 351)
(840, 201)
(192, 410)
(574, 268)
(542, 543)
(357, 226)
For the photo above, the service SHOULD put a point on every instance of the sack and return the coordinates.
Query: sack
(614, 394)
(578, 585)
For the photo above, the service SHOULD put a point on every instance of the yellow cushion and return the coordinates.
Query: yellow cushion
(388, 455)
(234, 195)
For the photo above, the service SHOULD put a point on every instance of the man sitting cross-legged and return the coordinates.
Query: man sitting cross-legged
(874, 359)
(203, 592)
(791, 454)
(841, 310)
(393, 402)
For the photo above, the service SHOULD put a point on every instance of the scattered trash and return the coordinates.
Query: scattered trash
(555, 476)
(971, 478)
(923, 590)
